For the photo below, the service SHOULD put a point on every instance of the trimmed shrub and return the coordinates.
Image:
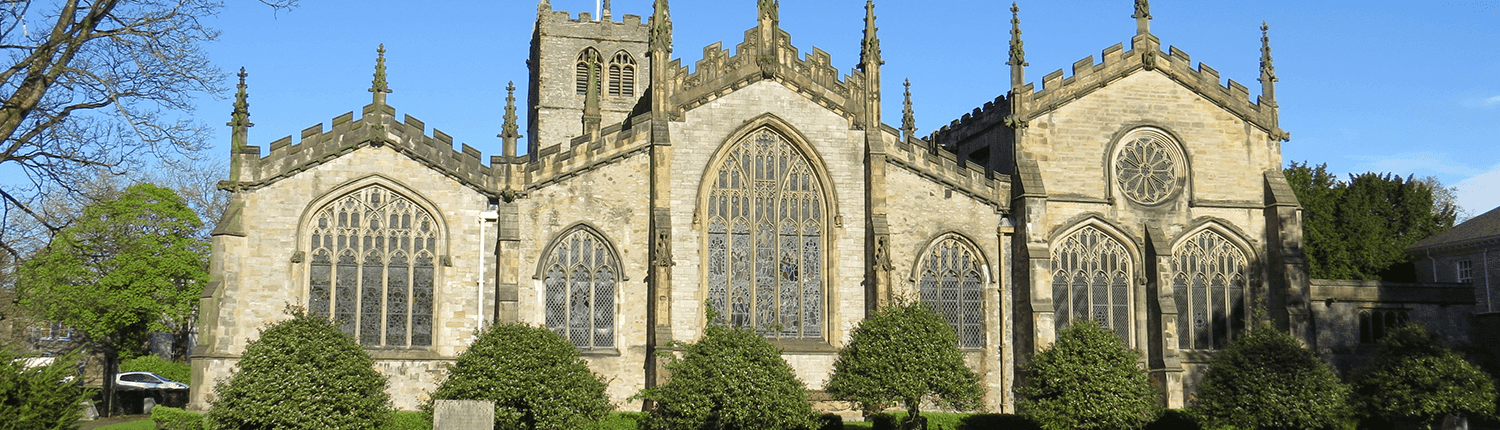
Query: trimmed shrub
(903, 355)
(302, 373)
(1266, 379)
(1088, 379)
(1176, 419)
(621, 421)
(731, 379)
(176, 419)
(1416, 378)
(830, 422)
(40, 397)
(533, 375)
(180, 372)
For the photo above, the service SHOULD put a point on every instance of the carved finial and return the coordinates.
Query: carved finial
(241, 115)
(1142, 16)
(544, 6)
(908, 117)
(510, 131)
(1267, 71)
(768, 10)
(379, 86)
(591, 100)
(1017, 48)
(869, 52)
(661, 28)
(604, 11)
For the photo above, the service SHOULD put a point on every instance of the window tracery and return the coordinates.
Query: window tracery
(766, 239)
(1091, 280)
(588, 60)
(951, 280)
(372, 267)
(1208, 285)
(580, 276)
(1147, 168)
(622, 75)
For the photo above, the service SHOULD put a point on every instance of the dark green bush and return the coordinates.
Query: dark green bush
(997, 421)
(730, 379)
(620, 421)
(180, 372)
(1416, 378)
(903, 355)
(176, 419)
(39, 397)
(830, 422)
(534, 376)
(1175, 419)
(302, 373)
(1088, 379)
(1266, 379)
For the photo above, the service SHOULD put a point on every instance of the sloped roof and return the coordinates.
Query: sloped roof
(1480, 228)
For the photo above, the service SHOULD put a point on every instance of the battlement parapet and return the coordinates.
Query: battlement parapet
(1059, 89)
(982, 119)
(926, 159)
(615, 142)
(718, 73)
(562, 23)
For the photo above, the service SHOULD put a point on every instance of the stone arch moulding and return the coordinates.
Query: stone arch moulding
(916, 264)
(792, 135)
(338, 192)
(828, 225)
(1176, 147)
(590, 339)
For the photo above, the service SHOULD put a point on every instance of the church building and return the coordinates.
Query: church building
(762, 184)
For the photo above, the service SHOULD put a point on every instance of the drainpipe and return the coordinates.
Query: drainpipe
(1489, 303)
(484, 219)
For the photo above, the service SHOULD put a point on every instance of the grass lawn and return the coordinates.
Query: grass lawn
(142, 424)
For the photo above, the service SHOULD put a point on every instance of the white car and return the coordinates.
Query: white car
(146, 381)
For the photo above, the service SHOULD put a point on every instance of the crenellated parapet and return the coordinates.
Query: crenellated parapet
(925, 159)
(1145, 54)
(628, 23)
(553, 164)
(813, 76)
(377, 127)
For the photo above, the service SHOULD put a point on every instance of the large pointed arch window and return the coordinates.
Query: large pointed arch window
(950, 278)
(580, 274)
(1208, 285)
(372, 267)
(622, 75)
(1091, 273)
(766, 238)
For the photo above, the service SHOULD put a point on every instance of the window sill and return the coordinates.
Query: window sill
(803, 346)
(402, 354)
(599, 352)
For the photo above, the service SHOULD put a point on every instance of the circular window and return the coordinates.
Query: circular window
(1147, 169)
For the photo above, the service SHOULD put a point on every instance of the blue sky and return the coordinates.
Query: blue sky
(1386, 86)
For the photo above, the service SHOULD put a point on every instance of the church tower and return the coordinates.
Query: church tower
(586, 73)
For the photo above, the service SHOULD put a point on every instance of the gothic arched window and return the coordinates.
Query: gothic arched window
(622, 75)
(951, 280)
(580, 274)
(1208, 284)
(1091, 274)
(372, 267)
(588, 60)
(766, 238)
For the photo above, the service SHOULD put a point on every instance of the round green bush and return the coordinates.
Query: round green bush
(1088, 379)
(731, 379)
(1416, 378)
(533, 375)
(905, 355)
(1268, 380)
(302, 373)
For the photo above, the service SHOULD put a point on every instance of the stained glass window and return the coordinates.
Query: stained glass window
(371, 267)
(1208, 284)
(765, 239)
(950, 279)
(1091, 274)
(579, 276)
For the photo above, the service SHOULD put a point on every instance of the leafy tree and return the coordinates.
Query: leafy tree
(1415, 377)
(129, 266)
(1359, 229)
(904, 354)
(1268, 380)
(732, 378)
(97, 84)
(1088, 379)
(533, 375)
(302, 373)
(40, 397)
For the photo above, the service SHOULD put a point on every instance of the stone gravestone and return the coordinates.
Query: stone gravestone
(463, 415)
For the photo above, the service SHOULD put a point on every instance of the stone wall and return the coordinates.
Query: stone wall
(555, 105)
